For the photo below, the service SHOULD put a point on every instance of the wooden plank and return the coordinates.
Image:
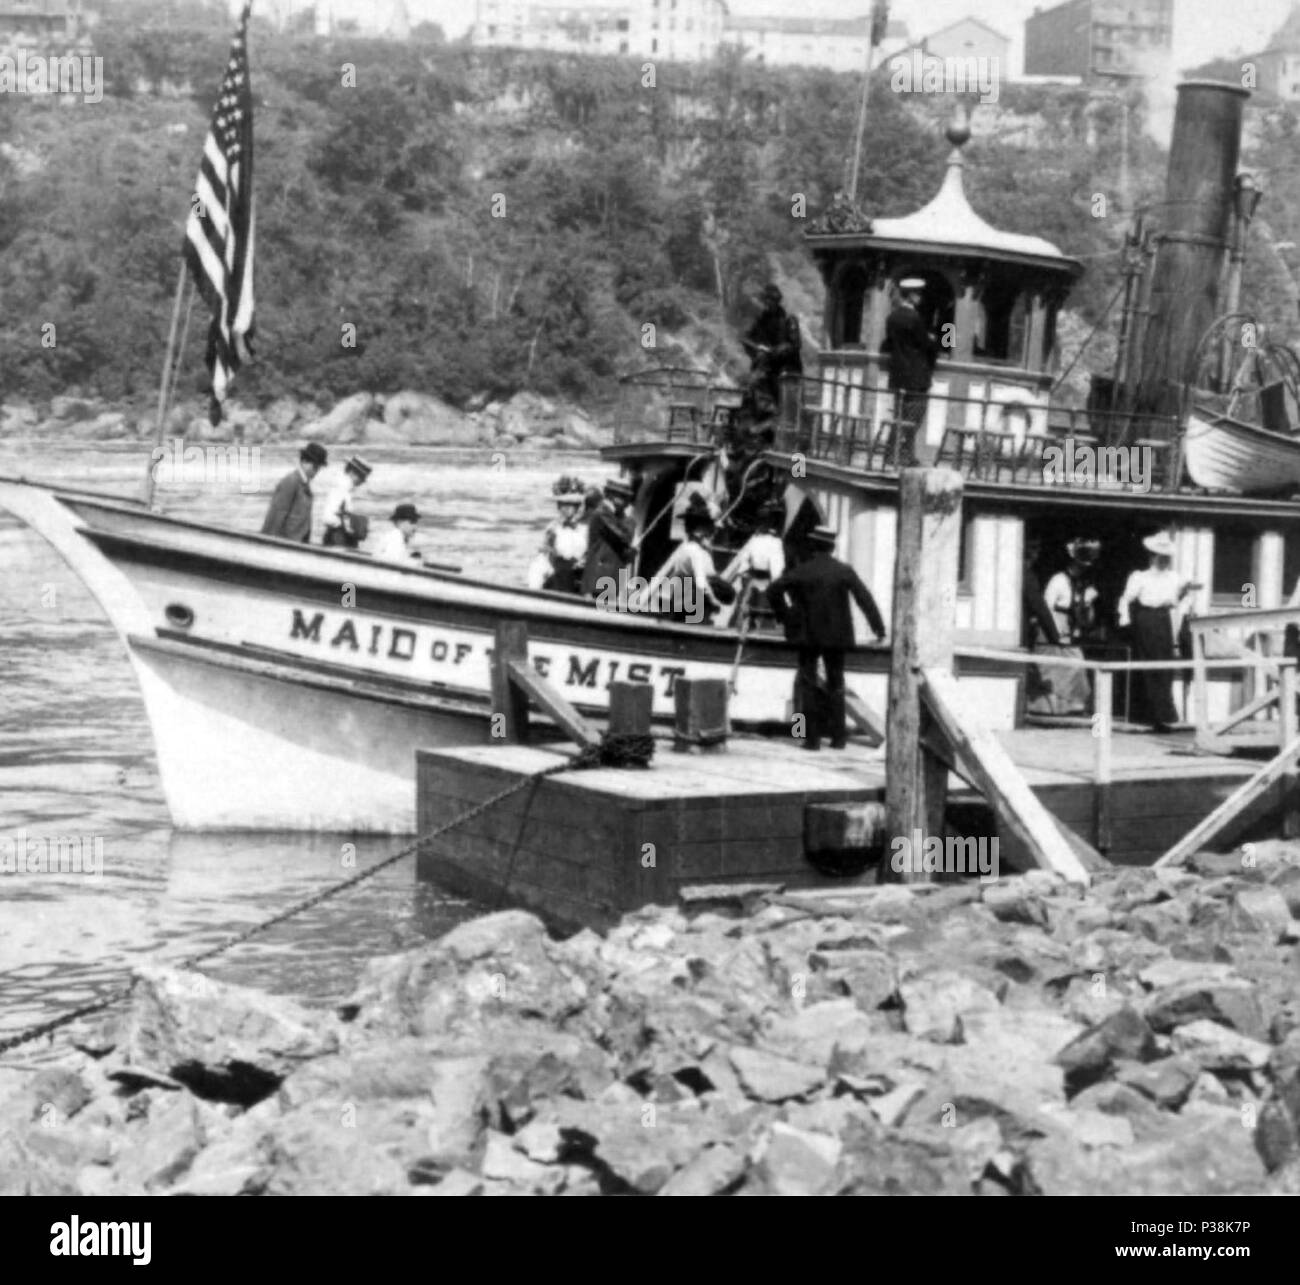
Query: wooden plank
(548, 698)
(923, 626)
(509, 704)
(1275, 770)
(1288, 729)
(1014, 802)
(864, 718)
(1102, 729)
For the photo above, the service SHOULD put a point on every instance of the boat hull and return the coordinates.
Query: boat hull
(288, 686)
(1223, 454)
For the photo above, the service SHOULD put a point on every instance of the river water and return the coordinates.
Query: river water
(76, 757)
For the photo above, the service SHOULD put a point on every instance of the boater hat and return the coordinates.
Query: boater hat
(912, 283)
(1161, 543)
(358, 466)
(823, 535)
(315, 453)
(405, 513)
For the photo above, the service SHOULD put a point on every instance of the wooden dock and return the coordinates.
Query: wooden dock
(586, 846)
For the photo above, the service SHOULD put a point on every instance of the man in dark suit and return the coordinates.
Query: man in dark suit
(912, 352)
(609, 539)
(814, 598)
(774, 346)
(289, 513)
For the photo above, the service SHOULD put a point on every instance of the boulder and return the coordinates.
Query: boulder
(423, 420)
(344, 424)
(1166, 1081)
(1232, 1002)
(769, 1077)
(714, 1172)
(1262, 910)
(1122, 1035)
(795, 1162)
(71, 410)
(1216, 1048)
(936, 1001)
(18, 419)
(284, 413)
(229, 1043)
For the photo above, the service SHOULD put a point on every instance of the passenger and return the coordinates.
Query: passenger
(1071, 597)
(1150, 602)
(818, 591)
(760, 562)
(684, 590)
(395, 546)
(912, 351)
(609, 539)
(565, 542)
(774, 345)
(289, 513)
(343, 528)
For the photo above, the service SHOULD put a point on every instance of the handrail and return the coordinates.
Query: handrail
(1122, 666)
(1256, 616)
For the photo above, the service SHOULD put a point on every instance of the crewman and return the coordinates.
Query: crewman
(289, 513)
(814, 599)
(685, 588)
(343, 528)
(774, 346)
(609, 539)
(912, 352)
(395, 546)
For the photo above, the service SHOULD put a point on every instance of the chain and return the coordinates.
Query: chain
(612, 750)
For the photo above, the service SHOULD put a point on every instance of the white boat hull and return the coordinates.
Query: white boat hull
(1222, 454)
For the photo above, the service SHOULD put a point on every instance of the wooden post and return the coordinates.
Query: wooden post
(1200, 690)
(923, 625)
(166, 383)
(509, 703)
(631, 707)
(1289, 730)
(1101, 729)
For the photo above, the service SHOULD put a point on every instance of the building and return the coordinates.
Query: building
(1092, 38)
(968, 38)
(837, 43)
(44, 27)
(1275, 68)
(675, 30)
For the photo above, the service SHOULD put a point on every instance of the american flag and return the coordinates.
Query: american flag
(219, 230)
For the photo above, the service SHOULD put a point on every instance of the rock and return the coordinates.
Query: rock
(458, 1182)
(714, 1172)
(1231, 1002)
(1091, 1129)
(17, 419)
(377, 433)
(540, 1140)
(462, 1106)
(1167, 1081)
(283, 413)
(813, 1034)
(1176, 972)
(869, 975)
(794, 1162)
(531, 416)
(1288, 884)
(1216, 1048)
(426, 421)
(319, 1150)
(891, 1108)
(107, 426)
(29, 1168)
(1276, 1137)
(770, 1078)
(1122, 1035)
(1262, 910)
(581, 433)
(163, 1149)
(935, 1002)
(1013, 903)
(344, 424)
(57, 1091)
(228, 1043)
(877, 1163)
(1214, 865)
(236, 1164)
(502, 1162)
(71, 410)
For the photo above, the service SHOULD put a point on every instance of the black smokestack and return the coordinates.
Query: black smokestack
(1190, 251)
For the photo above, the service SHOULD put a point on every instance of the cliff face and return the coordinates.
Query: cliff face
(477, 223)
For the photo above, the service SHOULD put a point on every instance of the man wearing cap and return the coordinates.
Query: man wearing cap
(683, 590)
(395, 546)
(609, 539)
(814, 598)
(1151, 601)
(289, 513)
(343, 528)
(760, 562)
(912, 352)
(773, 343)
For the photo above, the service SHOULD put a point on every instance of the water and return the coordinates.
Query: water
(76, 757)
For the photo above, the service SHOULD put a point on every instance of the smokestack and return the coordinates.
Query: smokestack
(1190, 251)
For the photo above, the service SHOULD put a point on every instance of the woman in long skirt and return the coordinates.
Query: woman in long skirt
(1150, 605)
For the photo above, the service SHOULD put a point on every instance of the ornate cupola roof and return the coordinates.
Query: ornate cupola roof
(947, 226)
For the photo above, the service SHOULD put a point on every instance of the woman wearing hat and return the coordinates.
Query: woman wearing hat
(395, 546)
(1071, 597)
(564, 546)
(343, 528)
(1150, 604)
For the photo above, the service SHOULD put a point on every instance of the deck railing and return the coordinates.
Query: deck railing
(859, 426)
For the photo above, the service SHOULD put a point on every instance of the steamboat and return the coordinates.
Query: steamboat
(288, 686)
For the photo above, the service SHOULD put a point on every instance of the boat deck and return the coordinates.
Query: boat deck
(575, 846)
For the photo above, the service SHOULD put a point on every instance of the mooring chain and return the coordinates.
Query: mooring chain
(612, 750)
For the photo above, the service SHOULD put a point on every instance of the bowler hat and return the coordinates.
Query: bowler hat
(405, 513)
(617, 486)
(315, 453)
(358, 466)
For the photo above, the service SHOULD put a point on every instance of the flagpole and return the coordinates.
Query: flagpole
(862, 122)
(166, 384)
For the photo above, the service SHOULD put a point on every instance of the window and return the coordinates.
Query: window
(851, 291)
(1003, 323)
(1234, 566)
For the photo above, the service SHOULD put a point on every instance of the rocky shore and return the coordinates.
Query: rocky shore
(524, 421)
(1014, 1038)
